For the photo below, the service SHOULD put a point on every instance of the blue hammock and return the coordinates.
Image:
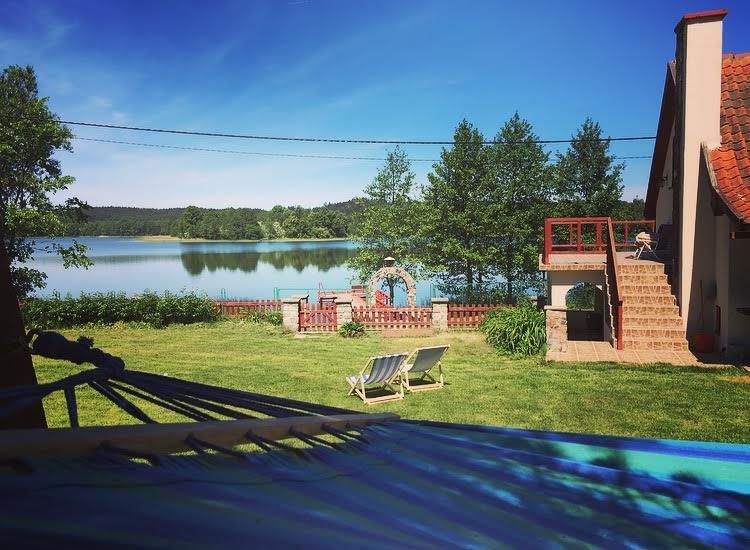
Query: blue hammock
(412, 484)
(399, 483)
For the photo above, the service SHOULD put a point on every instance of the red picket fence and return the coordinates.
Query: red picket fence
(468, 315)
(317, 318)
(381, 318)
(240, 308)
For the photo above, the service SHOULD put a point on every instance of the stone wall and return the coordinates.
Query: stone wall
(557, 328)
(440, 314)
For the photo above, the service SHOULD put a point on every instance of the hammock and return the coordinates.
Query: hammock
(389, 483)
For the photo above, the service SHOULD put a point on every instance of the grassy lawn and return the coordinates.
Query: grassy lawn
(482, 387)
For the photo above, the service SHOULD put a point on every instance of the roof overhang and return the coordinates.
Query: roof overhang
(718, 198)
(661, 146)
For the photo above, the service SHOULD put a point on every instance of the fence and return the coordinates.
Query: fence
(586, 235)
(240, 308)
(317, 318)
(382, 318)
(467, 315)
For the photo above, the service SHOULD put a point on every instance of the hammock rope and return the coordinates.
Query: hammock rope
(192, 400)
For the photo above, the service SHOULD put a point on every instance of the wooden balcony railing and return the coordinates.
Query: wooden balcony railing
(586, 235)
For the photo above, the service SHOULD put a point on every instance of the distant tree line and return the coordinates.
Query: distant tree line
(477, 225)
(328, 221)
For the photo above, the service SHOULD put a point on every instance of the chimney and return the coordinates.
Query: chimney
(698, 60)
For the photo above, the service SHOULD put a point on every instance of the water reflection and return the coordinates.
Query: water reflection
(322, 259)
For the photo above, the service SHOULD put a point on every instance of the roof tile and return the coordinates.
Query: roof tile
(731, 162)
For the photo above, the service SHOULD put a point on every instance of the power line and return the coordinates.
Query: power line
(338, 140)
(287, 155)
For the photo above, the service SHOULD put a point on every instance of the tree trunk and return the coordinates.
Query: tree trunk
(16, 368)
(392, 289)
(509, 285)
(469, 279)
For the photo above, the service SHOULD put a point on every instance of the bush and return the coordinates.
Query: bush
(516, 330)
(352, 329)
(107, 309)
(264, 316)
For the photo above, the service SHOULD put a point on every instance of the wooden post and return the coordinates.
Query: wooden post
(16, 368)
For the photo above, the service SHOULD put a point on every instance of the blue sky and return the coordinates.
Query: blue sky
(333, 68)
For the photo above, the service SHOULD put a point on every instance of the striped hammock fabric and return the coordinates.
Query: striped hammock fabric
(411, 484)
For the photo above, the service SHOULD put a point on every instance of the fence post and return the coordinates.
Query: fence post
(440, 314)
(343, 311)
(290, 311)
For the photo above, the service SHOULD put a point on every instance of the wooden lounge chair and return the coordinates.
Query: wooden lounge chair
(382, 372)
(420, 363)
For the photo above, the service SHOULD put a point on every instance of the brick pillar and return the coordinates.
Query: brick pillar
(440, 314)
(290, 311)
(557, 328)
(343, 310)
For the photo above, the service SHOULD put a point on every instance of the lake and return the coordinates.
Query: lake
(219, 269)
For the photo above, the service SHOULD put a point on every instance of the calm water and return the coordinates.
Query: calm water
(230, 269)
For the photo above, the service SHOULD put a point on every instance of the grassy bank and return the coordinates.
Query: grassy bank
(482, 387)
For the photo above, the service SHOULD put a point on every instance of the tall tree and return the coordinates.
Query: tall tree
(30, 134)
(520, 197)
(588, 181)
(457, 214)
(387, 225)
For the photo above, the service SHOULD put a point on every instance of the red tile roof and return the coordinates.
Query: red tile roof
(731, 161)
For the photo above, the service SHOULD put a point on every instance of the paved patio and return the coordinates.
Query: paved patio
(584, 351)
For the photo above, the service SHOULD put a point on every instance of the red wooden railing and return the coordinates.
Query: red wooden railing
(613, 278)
(381, 318)
(239, 308)
(317, 318)
(585, 235)
(468, 315)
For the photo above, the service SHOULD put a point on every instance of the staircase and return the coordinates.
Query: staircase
(651, 319)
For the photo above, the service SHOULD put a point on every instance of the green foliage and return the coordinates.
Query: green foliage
(99, 308)
(588, 181)
(30, 135)
(516, 330)
(389, 222)
(265, 316)
(352, 329)
(581, 297)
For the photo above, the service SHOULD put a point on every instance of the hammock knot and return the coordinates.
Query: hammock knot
(55, 346)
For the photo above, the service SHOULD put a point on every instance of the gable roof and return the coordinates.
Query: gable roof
(661, 146)
(731, 161)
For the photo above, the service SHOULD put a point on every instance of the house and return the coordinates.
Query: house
(700, 182)
(693, 290)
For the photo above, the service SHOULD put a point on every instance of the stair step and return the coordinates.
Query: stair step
(659, 311)
(654, 344)
(649, 299)
(651, 321)
(643, 279)
(631, 289)
(652, 333)
(628, 269)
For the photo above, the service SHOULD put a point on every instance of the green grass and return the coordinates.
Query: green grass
(482, 386)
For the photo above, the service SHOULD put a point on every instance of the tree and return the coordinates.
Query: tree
(457, 214)
(387, 225)
(30, 134)
(588, 181)
(520, 196)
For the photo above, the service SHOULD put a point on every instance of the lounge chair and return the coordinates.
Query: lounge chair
(382, 372)
(420, 363)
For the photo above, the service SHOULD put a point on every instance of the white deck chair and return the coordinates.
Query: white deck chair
(421, 362)
(383, 372)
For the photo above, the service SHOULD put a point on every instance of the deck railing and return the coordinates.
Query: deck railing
(586, 235)
(613, 280)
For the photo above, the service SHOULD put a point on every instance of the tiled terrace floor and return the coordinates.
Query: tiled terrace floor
(581, 351)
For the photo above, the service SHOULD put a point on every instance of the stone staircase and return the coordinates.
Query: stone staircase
(651, 318)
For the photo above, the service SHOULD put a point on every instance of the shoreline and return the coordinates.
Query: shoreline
(170, 238)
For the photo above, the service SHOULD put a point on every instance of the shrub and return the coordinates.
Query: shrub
(264, 316)
(109, 308)
(516, 330)
(352, 329)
